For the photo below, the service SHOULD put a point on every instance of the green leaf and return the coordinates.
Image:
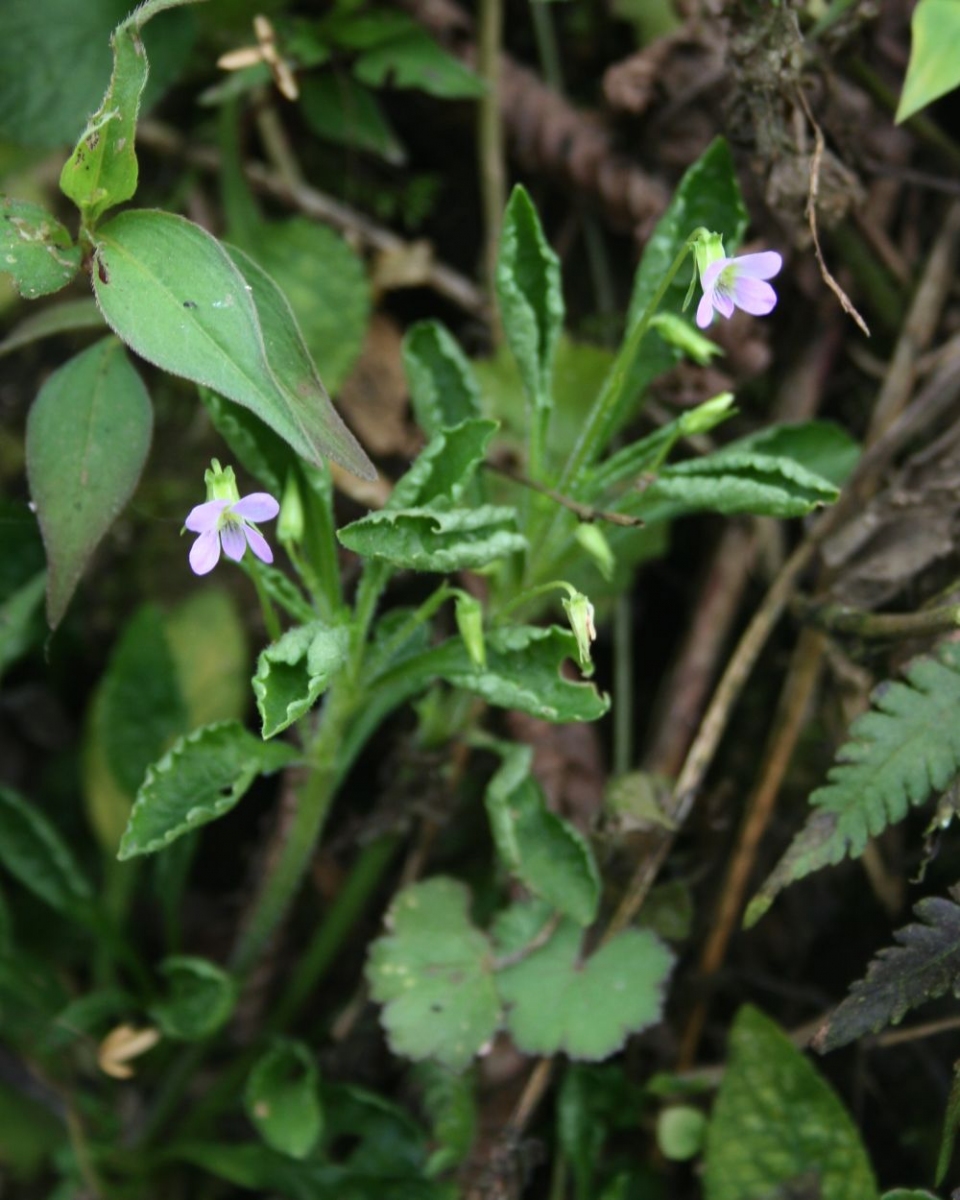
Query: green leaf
(281, 1098)
(909, 1194)
(342, 111)
(200, 779)
(88, 434)
(819, 446)
(102, 171)
(200, 998)
(951, 1120)
(294, 671)
(35, 249)
(443, 388)
(900, 752)
(21, 627)
(412, 59)
(32, 1134)
(208, 642)
(326, 284)
(531, 299)
(44, 47)
(776, 1121)
(444, 468)
(592, 1103)
(173, 293)
(66, 316)
(557, 1001)
(547, 854)
(431, 539)
(33, 851)
(432, 972)
(933, 69)
(449, 1102)
(924, 964)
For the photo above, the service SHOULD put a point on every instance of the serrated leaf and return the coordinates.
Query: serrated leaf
(547, 854)
(557, 1001)
(341, 110)
(66, 316)
(776, 1121)
(900, 752)
(819, 446)
(200, 998)
(933, 69)
(295, 670)
(35, 249)
(175, 295)
(922, 965)
(432, 972)
(281, 1098)
(202, 777)
(443, 388)
(33, 851)
(531, 298)
(433, 539)
(88, 435)
(444, 468)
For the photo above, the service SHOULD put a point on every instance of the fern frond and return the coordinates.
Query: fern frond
(901, 752)
(923, 965)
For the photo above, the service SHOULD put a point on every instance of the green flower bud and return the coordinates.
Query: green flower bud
(579, 612)
(469, 616)
(221, 483)
(291, 522)
(594, 542)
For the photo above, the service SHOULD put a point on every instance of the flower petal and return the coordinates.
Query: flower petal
(205, 552)
(712, 273)
(204, 516)
(258, 506)
(705, 310)
(754, 297)
(759, 266)
(234, 543)
(258, 544)
(723, 302)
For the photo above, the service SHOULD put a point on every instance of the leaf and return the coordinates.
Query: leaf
(173, 293)
(342, 111)
(547, 854)
(680, 1130)
(200, 998)
(818, 446)
(33, 851)
(443, 388)
(281, 1098)
(531, 299)
(325, 282)
(776, 1120)
(445, 467)
(21, 626)
(556, 1001)
(201, 778)
(412, 59)
(44, 45)
(88, 434)
(900, 752)
(35, 249)
(951, 1119)
(295, 670)
(430, 539)
(32, 1134)
(432, 972)
(208, 642)
(66, 316)
(924, 964)
(933, 69)
(102, 170)
(450, 1104)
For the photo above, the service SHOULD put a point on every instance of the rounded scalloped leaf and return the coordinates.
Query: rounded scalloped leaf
(557, 1001)
(433, 973)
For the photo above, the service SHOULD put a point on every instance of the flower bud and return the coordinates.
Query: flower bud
(469, 616)
(291, 521)
(579, 612)
(221, 483)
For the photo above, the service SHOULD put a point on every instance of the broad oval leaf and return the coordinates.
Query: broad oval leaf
(202, 777)
(295, 670)
(282, 1098)
(175, 295)
(33, 851)
(199, 1000)
(88, 435)
(35, 249)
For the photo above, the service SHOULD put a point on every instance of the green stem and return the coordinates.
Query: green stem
(493, 185)
(270, 619)
(623, 685)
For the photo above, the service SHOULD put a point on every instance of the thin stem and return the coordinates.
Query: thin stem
(490, 138)
(271, 621)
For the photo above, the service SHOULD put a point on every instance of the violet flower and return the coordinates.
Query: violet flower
(224, 521)
(730, 283)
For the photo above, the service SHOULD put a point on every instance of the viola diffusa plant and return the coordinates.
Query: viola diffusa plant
(495, 557)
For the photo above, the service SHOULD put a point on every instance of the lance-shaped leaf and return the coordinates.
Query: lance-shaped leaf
(68, 316)
(202, 777)
(444, 468)
(88, 435)
(33, 851)
(295, 670)
(443, 388)
(777, 1123)
(546, 853)
(557, 1001)
(282, 1098)
(175, 295)
(432, 539)
(924, 964)
(35, 249)
(433, 973)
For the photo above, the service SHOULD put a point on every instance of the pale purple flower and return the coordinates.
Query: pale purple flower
(730, 283)
(221, 523)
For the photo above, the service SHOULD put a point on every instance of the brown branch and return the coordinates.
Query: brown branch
(586, 512)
